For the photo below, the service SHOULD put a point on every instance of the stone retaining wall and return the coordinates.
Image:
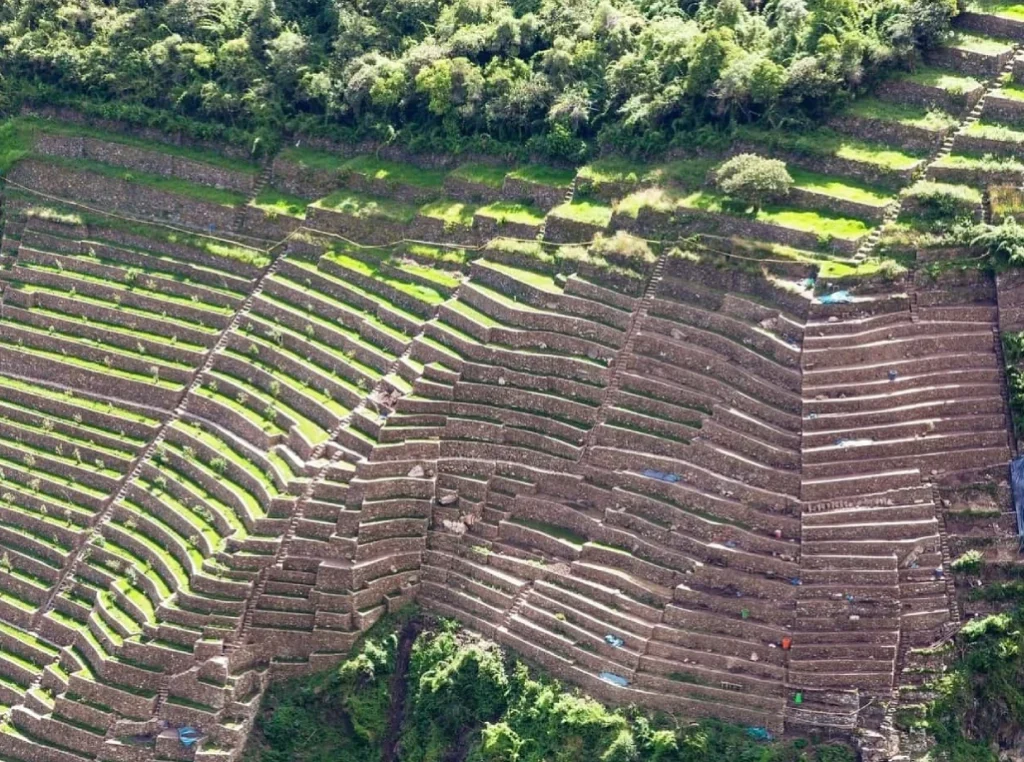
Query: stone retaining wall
(969, 62)
(919, 207)
(808, 199)
(145, 160)
(1001, 109)
(870, 174)
(122, 196)
(304, 182)
(989, 24)
(905, 91)
(891, 133)
(563, 230)
(1010, 288)
(976, 177)
(61, 114)
(978, 145)
(471, 192)
(312, 182)
(653, 224)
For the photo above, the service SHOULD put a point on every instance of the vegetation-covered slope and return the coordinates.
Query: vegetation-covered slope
(630, 73)
(979, 705)
(466, 699)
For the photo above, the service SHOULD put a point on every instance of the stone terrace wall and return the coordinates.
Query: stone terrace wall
(144, 160)
(892, 133)
(650, 223)
(1010, 290)
(122, 196)
(437, 464)
(143, 133)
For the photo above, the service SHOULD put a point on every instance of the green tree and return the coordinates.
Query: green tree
(707, 62)
(450, 85)
(753, 179)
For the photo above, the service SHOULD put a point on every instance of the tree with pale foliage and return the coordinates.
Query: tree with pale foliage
(753, 179)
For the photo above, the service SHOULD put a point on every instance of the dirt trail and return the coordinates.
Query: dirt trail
(399, 689)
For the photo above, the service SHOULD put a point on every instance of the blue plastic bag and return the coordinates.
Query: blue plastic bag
(611, 677)
(837, 297)
(614, 642)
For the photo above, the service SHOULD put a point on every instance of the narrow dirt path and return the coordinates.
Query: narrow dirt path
(399, 690)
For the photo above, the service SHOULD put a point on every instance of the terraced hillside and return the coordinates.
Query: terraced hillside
(246, 410)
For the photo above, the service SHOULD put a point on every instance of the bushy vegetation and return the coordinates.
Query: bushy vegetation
(968, 562)
(1006, 200)
(15, 143)
(622, 250)
(1013, 356)
(553, 75)
(981, 702)
(1004, 242)
(943, 201)
(335, 715)
(753, 179)
(467, 699)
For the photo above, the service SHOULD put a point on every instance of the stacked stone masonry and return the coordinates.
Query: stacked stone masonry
(220, 470)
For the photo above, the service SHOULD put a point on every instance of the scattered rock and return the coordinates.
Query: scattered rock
(416, 472)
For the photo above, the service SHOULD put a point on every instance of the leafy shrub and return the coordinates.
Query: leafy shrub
(1004, 242)
(890, 269)
(1013, 355)
(980, 699)
(337, 714)
(571, 257)
(968, 563)
(1006, 200)
(943, 200)
(753, 179)
(623, 250)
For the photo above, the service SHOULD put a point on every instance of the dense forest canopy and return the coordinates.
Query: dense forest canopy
(556, 75)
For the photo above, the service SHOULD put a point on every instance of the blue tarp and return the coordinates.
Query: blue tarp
(662, 475)
(614, 642)
(837, 297)
(188, 736)
(611, 677)
(1017, 482)
(760, 734)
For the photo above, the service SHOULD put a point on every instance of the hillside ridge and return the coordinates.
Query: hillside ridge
(713, 457)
